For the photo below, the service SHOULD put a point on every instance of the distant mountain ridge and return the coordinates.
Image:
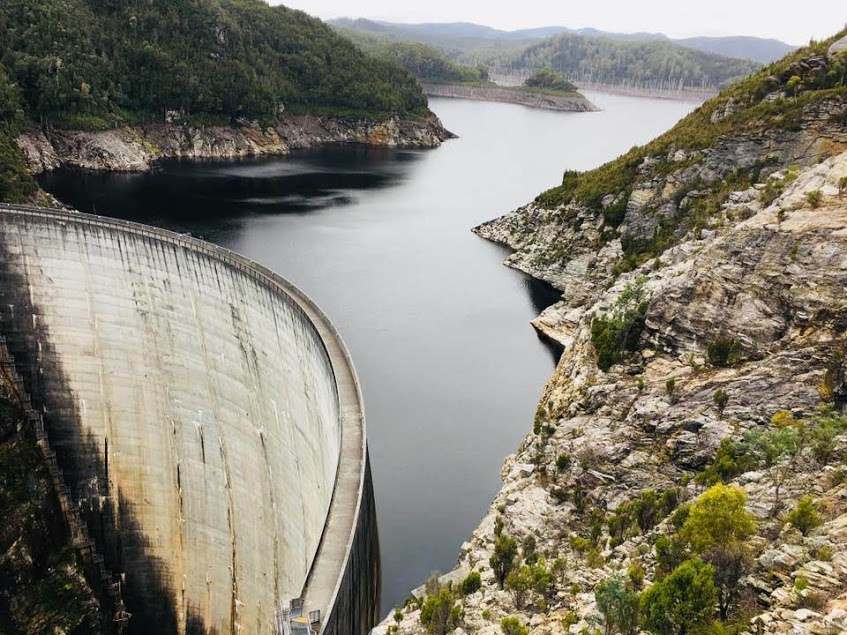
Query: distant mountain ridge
(641, 63)
(462, 36)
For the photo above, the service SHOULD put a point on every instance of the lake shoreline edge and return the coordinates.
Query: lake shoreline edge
(138, 148)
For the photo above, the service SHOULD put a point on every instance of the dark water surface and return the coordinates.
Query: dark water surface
(438, 328)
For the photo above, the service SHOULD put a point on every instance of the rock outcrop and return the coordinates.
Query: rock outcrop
(720, 252)
(135, 149)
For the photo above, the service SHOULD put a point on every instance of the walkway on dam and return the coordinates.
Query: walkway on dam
(331, 559)
(323, 582)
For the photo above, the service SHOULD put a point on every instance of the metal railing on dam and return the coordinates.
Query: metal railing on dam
(342, 579)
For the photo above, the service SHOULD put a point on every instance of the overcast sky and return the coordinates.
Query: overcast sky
(793, 22)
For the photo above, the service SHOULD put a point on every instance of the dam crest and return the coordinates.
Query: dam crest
(206, 416)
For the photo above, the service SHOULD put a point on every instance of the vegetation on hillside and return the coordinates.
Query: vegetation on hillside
(93, 64)
(650, 64)
(427, 63)
(773, 100)
(96, 63)
(547, 80)
(16, 184)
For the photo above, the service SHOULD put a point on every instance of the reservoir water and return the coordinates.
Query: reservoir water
(438, 328)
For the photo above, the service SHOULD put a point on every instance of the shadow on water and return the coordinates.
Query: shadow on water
(543, 295)
(183, 194)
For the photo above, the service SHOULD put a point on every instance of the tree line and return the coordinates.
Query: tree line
(97, 62)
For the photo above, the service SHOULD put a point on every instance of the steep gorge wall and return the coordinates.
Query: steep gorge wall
(198, 411)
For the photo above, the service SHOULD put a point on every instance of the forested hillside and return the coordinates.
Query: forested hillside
(98, 60)
(648, 61)
(649, 64)
(101, 64)
(427, 63)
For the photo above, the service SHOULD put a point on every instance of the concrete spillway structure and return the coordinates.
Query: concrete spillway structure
(207, 418)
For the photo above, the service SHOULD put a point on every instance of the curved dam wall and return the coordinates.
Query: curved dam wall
(207, 418)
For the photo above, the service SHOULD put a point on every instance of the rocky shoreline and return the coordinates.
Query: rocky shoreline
(512, 95)
(741, 325)
(136, 149)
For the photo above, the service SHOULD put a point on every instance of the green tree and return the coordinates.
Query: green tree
(718, 518)
(778, 449)
(731, 459)
(437, 613)
(681, 601)
(549, 80)
(721, 399)
(512, 626)
(614, 334)
(502, 561)
(619, 605)
(472, 583)
(730, 563)
(804, 516)
(519, 584)
(542, 579)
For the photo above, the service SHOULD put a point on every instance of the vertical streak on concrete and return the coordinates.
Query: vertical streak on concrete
(182, 343)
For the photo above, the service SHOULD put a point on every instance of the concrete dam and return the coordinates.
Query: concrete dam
(206, 417)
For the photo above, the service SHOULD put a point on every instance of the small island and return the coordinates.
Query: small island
(543, 89)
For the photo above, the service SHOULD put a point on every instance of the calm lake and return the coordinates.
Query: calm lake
(438, 328)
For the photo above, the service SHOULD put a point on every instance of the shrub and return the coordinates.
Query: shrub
(730, 460)
(512, 626)
(438, 613)
(731, 564)
(814, 600)
(721, 399)
(614, 334)
(398, 615)
(529, 549)
(619, 606)
(804, 516)
(472, 583)
(542, 579)
(519, 584)
(814, 198)
(563, 462)
(670, 553)
(681, 601)
(670, 387)
(724, 351)
(502, 561)
(823, 553)
(718, 519)
(635, 573)
(594, 559)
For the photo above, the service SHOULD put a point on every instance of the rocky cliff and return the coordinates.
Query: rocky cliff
(46, 586)
(572, 102)
(134, 149)
(704, 327)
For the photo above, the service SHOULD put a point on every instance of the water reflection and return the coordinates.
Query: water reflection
(438, 328)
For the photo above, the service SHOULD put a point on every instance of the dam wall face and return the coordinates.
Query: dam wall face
(205, 417)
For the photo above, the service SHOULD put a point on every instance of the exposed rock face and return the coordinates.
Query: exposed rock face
(838, 47)
(135, 149)
(44, 583)
(765, 267)
(512, 95)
